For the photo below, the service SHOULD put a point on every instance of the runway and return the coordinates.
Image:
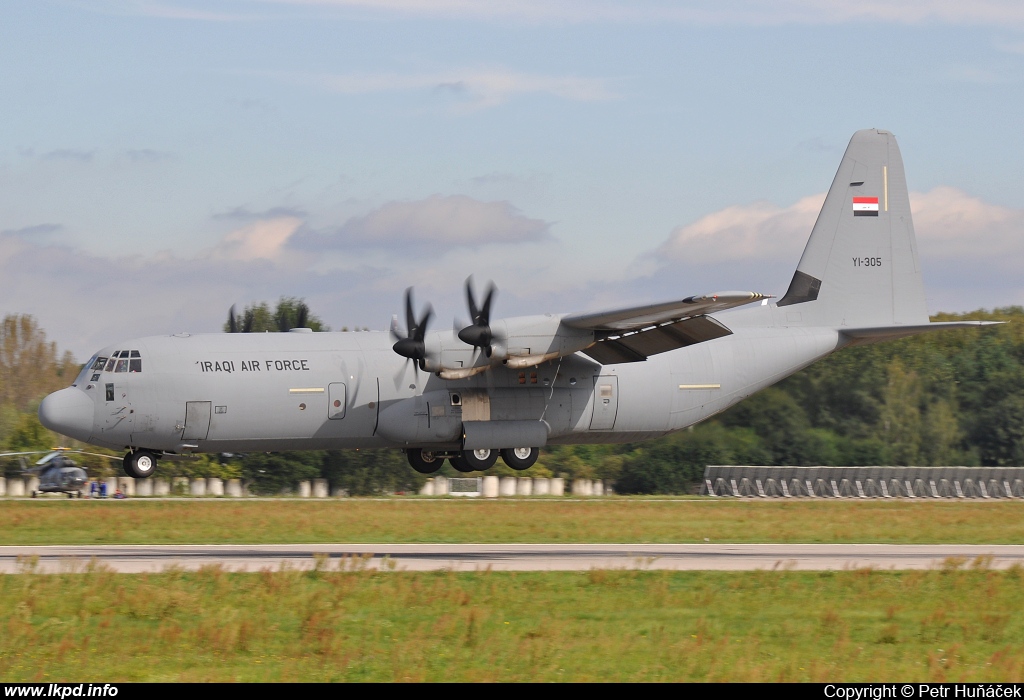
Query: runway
(504, 557)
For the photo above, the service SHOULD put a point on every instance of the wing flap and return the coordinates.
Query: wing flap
(638, 317)
(639, 345)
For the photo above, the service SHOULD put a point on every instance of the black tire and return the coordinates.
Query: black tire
(475, 460)
(423, 461)
(520, 458)
(139, 465)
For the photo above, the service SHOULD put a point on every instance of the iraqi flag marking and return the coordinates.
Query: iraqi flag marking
(865, 206)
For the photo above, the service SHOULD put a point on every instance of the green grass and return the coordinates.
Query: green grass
(948, 625)
(533, 521)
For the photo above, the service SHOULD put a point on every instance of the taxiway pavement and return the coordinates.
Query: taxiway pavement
(507, 557)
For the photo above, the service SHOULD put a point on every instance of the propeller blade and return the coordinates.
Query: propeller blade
(232, 323)
(479, 333)
(410, 317)
(301, 315)
(412, 345)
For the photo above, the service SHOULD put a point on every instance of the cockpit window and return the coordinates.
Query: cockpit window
(99, 364)
(124, 361)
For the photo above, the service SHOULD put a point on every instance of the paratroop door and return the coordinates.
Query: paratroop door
(606, 402)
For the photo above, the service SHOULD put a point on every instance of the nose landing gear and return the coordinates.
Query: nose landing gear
(140, 464)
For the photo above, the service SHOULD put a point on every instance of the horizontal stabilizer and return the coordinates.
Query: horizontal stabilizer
(891, 332)
(637, 346)
(637, 317)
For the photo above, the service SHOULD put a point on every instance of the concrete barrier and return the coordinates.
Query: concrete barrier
(179, 486)
(598, 488)
(144, 487)
(233, 488)
(197, 487)
(339, 492)
(490, 487)
(111, 482)
(305, 489)
(582, 487)
(524, 486)
(214, 486)
(557, 486)
(3, 487)
(507, 486)
(440, 485)
(161, 487)
(31, 484)
(428, 488)
(126, 484)
(320, 488)
(16, 487)
(541, 486)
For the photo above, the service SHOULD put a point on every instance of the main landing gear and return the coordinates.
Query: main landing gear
(429, 461)
(140, 464)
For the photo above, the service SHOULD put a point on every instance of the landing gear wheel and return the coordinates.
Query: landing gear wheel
(474, 460)
(423, 461)
(139, 465)
(520, 458)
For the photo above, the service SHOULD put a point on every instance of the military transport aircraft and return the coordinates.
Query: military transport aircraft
(514, 385)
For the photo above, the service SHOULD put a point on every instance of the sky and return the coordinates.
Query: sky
(163, 160)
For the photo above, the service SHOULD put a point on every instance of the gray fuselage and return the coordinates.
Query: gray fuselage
(302, 390)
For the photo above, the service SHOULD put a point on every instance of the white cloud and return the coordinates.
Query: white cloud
(971, 251)
(971, 255)
(436, 223)
(477, 88)
(760, 230)
(260, 239)
(954, 225)
(751, 12)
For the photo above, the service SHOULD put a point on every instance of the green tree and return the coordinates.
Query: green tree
(30, 366)
(370, 472)
(271, 473)
(900, 421)
(289, 313)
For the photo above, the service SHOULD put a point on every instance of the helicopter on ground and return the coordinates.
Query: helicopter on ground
(57, 473)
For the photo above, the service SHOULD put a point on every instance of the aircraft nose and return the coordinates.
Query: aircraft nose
(68, 412)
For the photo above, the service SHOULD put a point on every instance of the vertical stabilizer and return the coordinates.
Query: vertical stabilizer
(860, 265)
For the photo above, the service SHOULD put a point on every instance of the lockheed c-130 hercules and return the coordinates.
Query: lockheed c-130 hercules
(515, 385)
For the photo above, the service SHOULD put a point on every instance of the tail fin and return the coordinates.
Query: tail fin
(860, 265)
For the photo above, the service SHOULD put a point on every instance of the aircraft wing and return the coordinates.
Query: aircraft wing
(633, 334)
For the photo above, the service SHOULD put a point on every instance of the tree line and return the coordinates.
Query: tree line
(951, 398)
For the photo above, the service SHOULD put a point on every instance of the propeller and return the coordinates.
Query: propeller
(232, 321)
(479, 333)
(412, 346)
